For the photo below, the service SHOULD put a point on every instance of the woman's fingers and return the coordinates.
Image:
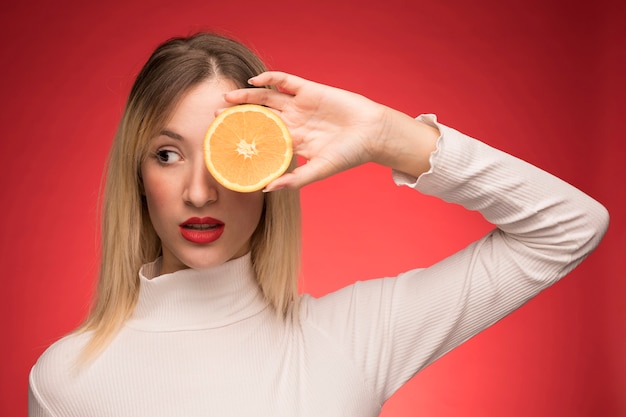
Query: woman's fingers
(289, 86)
(288, 83)
(313, 170)
(261, 96)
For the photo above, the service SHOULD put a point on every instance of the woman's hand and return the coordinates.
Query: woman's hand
(335, 130)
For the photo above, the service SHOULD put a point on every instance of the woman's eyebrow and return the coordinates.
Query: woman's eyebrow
(171, 134)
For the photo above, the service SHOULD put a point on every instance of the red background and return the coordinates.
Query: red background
(539, 79)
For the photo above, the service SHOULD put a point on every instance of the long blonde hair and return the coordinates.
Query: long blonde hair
(128, 238)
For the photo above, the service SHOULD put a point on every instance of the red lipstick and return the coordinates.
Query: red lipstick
(201, 230)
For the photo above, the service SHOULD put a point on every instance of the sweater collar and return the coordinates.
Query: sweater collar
(192, 299)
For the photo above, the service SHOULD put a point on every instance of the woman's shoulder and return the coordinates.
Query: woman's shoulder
(57, 364)
(67, 347)
(361, 301)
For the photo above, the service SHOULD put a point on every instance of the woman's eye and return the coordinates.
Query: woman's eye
(167, 157)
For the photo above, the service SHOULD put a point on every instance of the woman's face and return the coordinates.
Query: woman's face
(201, 224)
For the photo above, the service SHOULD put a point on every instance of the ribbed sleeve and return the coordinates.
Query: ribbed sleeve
(394, 327)
(36, 408)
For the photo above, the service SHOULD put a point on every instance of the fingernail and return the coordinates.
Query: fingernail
(269, 190)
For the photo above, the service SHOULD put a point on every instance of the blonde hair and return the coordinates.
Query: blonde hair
(128, 238)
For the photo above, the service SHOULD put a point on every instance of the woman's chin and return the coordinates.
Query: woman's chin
(172, 265)
(199, 259)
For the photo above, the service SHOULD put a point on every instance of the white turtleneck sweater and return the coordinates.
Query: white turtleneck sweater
(205, 342)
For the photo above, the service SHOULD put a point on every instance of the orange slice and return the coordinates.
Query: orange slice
(246, 147)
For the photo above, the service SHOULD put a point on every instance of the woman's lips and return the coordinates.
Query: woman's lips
(201, 230)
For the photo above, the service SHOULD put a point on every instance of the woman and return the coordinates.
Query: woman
(217, 328)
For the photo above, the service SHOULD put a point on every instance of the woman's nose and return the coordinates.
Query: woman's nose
(201, 189)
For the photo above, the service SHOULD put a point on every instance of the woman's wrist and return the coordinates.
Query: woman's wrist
(405, 143)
